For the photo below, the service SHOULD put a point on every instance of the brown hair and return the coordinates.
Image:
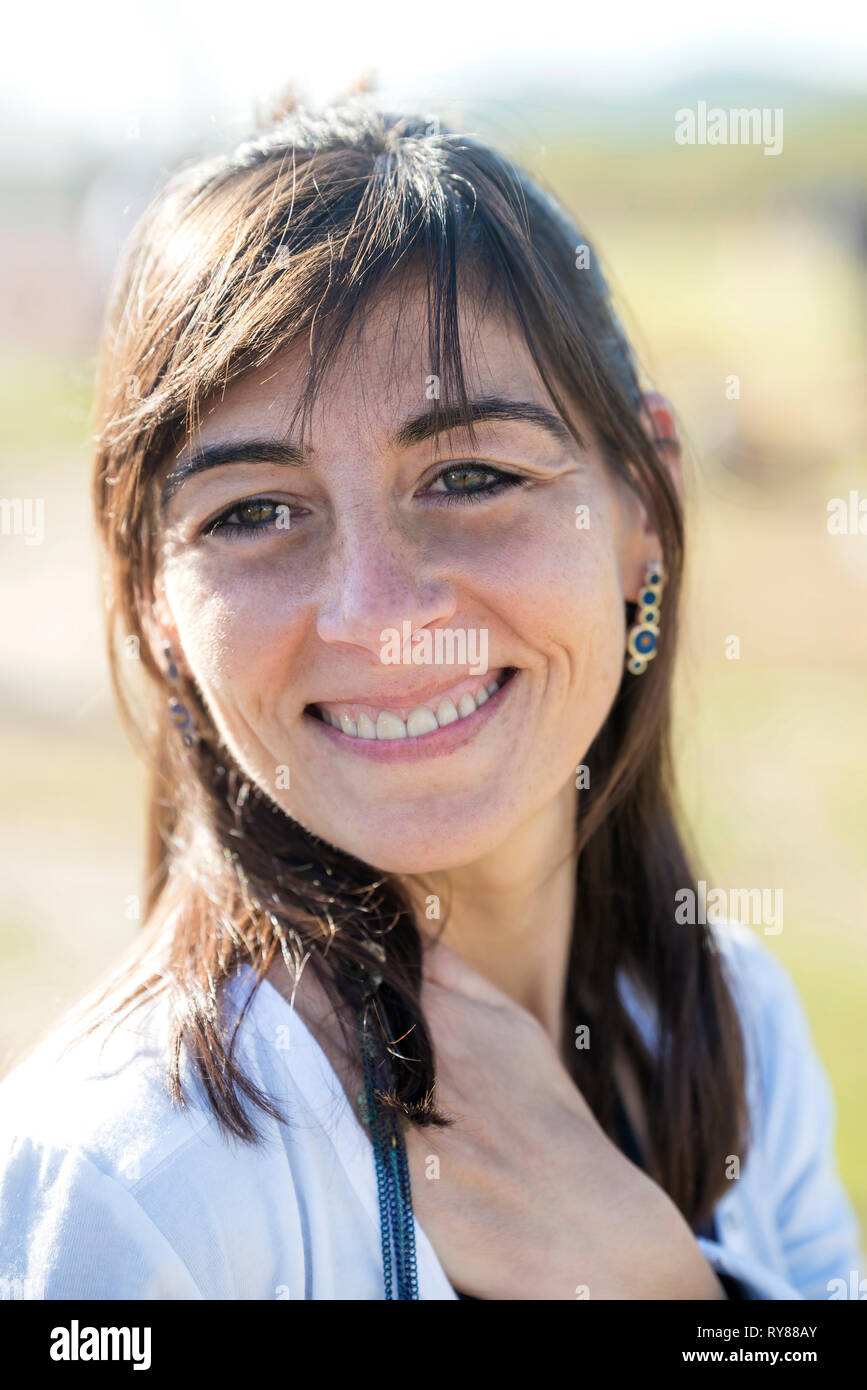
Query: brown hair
(295, 232)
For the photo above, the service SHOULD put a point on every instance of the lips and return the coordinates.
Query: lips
(413, 719)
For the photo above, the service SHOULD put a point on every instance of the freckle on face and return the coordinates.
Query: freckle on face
(270, 625)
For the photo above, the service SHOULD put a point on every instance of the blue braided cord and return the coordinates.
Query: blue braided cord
(396, 1210)
(381, 1177)
(403, 1218)
(411, 1271)
(395, 1204)
(384, 1220)
(396, 1217)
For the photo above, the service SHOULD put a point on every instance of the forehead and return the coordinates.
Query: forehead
(381, 373)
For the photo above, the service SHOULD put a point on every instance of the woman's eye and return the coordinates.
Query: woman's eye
(459, 483)
(250, 518)
(471, 482)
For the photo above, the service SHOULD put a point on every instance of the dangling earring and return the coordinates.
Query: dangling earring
(643, 639)
(178, 712)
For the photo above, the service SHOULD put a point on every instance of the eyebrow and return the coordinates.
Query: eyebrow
(412, 432)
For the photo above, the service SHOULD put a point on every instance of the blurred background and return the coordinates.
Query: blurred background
(725, 263)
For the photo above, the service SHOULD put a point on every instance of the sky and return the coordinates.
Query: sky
(104, 67)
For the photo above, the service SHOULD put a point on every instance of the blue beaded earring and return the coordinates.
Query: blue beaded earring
(643, 639)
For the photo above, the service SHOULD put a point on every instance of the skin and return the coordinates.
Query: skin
(269, 623)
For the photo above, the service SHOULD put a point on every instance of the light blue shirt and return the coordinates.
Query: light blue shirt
(109, 1192)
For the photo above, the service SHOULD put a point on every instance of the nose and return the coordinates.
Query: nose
(379, 579)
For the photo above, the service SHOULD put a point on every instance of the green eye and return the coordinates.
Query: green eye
(462, 479)
(468, 482)
(250, 518)
(258, 513)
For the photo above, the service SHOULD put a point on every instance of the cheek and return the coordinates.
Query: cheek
(559, 590)
(237, 634)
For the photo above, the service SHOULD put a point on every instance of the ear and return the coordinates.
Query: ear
(657, 415)
(645, 548)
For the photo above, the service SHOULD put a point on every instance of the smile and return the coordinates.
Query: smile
(417, 728)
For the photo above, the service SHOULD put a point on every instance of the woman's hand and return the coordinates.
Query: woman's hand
(529, 1198)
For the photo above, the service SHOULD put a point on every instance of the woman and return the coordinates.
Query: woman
(397, 540)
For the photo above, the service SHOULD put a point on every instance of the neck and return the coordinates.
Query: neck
(509, 914)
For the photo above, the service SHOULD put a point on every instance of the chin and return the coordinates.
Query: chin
(401, 847)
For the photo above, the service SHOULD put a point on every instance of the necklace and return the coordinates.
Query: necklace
(396, 1218)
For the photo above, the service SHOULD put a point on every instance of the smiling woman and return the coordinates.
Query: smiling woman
(439, 996)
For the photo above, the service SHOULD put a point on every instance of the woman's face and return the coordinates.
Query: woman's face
(300, 590)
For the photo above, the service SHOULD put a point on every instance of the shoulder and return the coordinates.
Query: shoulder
(103, 1093)
(764, 994)
(759, 981)
(772, 1014)
(791, 1102)
(110, 1189)
(796, 1184)
(784, 1078)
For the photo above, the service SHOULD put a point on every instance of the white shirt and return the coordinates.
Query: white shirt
(109, 1192)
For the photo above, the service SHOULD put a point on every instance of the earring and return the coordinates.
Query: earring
(178, 712)
(643, 639)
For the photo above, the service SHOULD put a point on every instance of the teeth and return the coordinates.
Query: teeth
(420, 721)
(390, 725)
(446, 712)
